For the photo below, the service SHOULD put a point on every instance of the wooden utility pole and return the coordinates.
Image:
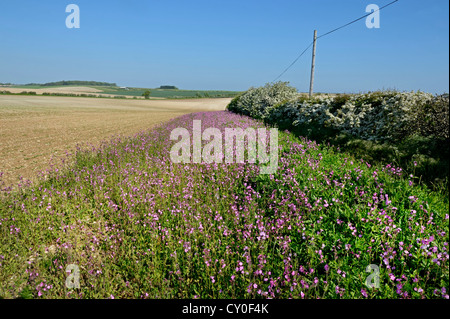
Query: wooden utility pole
(311, 83)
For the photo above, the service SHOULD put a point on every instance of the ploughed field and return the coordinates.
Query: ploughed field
(33, 129)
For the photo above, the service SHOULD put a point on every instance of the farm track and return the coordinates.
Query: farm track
(33, 129)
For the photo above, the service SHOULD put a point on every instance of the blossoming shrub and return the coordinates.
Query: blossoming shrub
(432, 118)
(256, 101)
(410, 129)
(376, 116)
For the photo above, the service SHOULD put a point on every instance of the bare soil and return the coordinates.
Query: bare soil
(33, 129)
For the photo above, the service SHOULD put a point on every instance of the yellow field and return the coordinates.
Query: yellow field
(63, 89)
(35, 128)
(68, 90)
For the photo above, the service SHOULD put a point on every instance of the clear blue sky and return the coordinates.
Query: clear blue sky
(227, 44)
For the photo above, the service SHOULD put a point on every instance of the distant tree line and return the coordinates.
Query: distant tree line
(168, 87)
(61, 83)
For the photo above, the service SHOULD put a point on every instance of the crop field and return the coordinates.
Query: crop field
(111, 91)
(164, 93)
(35, 128)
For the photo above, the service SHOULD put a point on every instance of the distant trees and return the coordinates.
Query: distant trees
(62, 83)
(168, 87)
(92, 83)
(146, 94)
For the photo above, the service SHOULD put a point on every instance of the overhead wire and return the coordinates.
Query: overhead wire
(329, 32)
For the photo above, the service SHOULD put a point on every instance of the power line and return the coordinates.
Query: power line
(294, 61)
(334, 30)
(364, 16)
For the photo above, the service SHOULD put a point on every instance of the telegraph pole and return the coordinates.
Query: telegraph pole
(311, 83)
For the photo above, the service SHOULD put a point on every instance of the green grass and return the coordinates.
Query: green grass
(426, 157)
(169, 93)
(139, 226)
(26, 87)
(160, 93)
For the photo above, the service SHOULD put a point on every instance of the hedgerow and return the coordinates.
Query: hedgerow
(409, 129)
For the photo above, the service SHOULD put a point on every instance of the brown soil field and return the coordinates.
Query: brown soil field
(33, 129)
(68, 89)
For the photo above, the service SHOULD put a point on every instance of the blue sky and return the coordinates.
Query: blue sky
(227, 44)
